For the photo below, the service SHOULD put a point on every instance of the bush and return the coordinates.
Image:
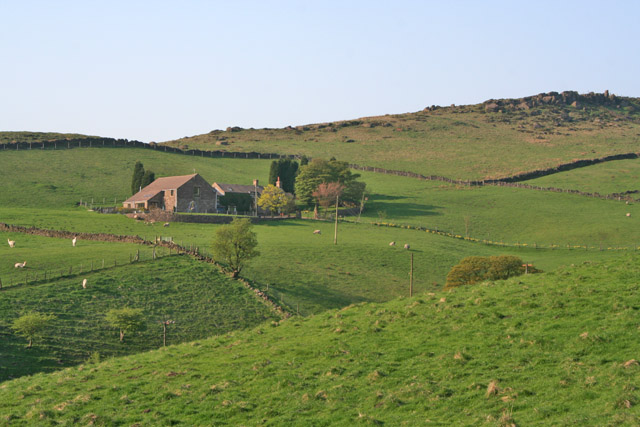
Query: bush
(476, 269)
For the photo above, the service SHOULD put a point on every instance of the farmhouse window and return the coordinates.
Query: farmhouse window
(196, 191)
(172, 192)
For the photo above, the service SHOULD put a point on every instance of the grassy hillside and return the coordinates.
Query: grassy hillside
(604, 178)
(485, 354)
(201, 301)
(491, 140)
(55, 256)
(61, 178)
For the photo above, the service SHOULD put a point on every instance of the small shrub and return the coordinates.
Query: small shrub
(476, 269)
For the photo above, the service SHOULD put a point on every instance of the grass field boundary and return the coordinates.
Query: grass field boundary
(511, 181)
(452, 235)
(192, 250)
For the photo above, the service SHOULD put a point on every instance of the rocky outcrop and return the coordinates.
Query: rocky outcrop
(568, 98)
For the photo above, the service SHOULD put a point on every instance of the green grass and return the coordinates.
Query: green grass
(502, 213)
(311, 274)
(62, 178)
(555, 344)
(58, 257)
(461, 142)
(604, 178)
(200, 300)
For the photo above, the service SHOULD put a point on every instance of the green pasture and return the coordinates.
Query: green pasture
(616, 176)
(550, 349)
(63, 178)
(311, 274)
(57, 257)
(200, 300)
(502, 213)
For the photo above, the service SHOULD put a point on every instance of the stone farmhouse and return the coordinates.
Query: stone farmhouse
(186, 193)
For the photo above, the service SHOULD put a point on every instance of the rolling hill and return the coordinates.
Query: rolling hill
(555, 349)
(495, 139)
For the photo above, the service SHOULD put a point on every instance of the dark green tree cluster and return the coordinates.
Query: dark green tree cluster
(287, 170)
(476, 269)
(319, 171)
(141, 178)
(242, 202)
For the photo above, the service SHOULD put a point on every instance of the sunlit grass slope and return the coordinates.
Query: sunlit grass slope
(61, 178)
(200, 300)
(464, 142)
(604, 178)
(550, 349)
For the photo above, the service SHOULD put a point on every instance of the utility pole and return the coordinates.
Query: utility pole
(335, 233)
(411, 278)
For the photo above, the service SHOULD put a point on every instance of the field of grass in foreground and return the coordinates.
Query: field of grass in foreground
(549, 349)
(605, 178)
(200, 300)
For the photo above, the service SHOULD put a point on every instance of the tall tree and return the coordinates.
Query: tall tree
(286, 170)
(147, 178)
(136, 181)
(235, 244)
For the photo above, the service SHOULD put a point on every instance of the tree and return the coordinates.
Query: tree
(274, 199)
(148, 178)
(126, 320)
(235, 244)
(32, 325)
(319, 171)
(286, 170)
(136, 181)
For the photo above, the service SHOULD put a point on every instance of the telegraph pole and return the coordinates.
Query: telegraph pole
(335, 233)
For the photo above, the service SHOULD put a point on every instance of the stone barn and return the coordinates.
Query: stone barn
(186, 193)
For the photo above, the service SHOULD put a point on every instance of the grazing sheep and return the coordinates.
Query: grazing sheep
(73, 241)
(316, 231)
(20, 264)
(12, 243)
(628, 214)
(392, 244)
(406, 246)
(84, 284)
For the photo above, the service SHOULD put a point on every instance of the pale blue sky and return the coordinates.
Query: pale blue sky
(158, 70)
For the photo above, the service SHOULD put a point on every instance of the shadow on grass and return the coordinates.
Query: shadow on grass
(314, 299)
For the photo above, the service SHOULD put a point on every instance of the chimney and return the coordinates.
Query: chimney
(255, 182)
(278, 183)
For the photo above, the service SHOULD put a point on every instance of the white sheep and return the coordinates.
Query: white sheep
(392, 244)
(84, 284)
(406, 246)
(20, 264)
(73, 241)
(628, 214)
(166, 224)
(316, 232)
(12, 243)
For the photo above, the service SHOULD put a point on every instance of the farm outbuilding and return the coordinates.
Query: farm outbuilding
(186, 193)
(240, 197)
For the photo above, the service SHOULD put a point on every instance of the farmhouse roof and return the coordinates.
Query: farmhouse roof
(160, 184)
(236, 188)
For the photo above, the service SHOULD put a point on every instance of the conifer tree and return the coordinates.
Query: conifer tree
(136, 181)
